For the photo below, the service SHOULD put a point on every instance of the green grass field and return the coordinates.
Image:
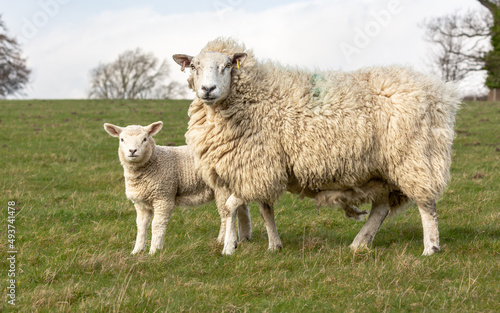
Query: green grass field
(75, 229)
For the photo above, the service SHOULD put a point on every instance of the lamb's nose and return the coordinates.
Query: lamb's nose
(208, 89)
(132, 151)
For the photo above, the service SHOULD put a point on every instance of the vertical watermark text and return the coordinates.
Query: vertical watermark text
(11, 252)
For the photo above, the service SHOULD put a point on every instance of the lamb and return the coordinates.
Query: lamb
(158, 178)
(380, 135)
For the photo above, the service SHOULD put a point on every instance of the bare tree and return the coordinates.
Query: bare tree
(134, 75)
(14, 75)
(468, 43)
(460, 43)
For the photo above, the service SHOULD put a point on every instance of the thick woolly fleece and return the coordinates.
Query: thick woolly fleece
(325, 130)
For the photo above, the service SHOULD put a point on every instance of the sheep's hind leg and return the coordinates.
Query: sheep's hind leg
(231, 240)
(378, 213)
(267, 212)
(143, 218)
(244, 223)
(429, 222)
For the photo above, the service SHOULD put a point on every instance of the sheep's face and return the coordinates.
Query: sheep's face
(136, 142)
(211, 74)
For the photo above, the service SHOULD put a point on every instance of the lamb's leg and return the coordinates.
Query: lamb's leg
(378, 213)
(162, 212)
(231, 239)
(144, 215)
(267, 213)
(244, 223)
(429, 222)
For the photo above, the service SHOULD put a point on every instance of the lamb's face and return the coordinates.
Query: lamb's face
(136, 142)
(211, 74)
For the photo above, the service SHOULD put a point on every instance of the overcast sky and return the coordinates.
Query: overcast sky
(64, 39)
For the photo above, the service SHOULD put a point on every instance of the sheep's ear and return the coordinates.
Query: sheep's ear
(113, 130)
(183, 60)
(154, 128)
(239, 58)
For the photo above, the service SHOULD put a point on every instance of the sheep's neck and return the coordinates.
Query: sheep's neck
(210, 113)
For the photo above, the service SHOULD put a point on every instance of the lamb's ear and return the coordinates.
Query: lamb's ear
(154, 128)
(238, 59)
(113, 130)
(183, 60)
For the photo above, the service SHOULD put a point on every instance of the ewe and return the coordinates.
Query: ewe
(157, 179)
(381, 135)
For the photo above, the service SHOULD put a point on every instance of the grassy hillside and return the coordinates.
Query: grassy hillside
(75, 229)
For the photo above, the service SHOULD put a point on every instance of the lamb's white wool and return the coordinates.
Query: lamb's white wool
(381, 135)
(158, 178)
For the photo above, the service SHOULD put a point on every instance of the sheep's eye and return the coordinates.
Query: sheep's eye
(229, 65)
(121, 139)
(192, 67)
(145, 139)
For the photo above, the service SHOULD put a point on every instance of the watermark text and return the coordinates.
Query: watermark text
(11, 252)
(364, 35)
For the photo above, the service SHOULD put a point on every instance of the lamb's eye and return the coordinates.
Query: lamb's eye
(145, 139)
(122, 140)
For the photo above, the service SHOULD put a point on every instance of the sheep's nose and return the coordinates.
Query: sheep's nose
(208, 89)
(132, 151)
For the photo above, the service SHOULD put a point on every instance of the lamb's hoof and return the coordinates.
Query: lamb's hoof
(135, 251)
(153, 251)
(358, 216)
(355, 213)
(431, 251)
(229, 248)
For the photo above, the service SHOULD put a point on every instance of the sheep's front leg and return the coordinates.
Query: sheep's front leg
(230, 241)
(428, 214)
(244, 223)
(220, 200)
(162, 212)
(267, 213)
(144, 215)
(378, 213)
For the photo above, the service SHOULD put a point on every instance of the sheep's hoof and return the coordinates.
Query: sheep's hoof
(229, 248)
(245, 238)
(431, 251)
(276, 247)
(359, 247)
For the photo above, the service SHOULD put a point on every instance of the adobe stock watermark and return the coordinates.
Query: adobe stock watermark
(41, 18)
(221, 7)
(364, 36)
(11, 252)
